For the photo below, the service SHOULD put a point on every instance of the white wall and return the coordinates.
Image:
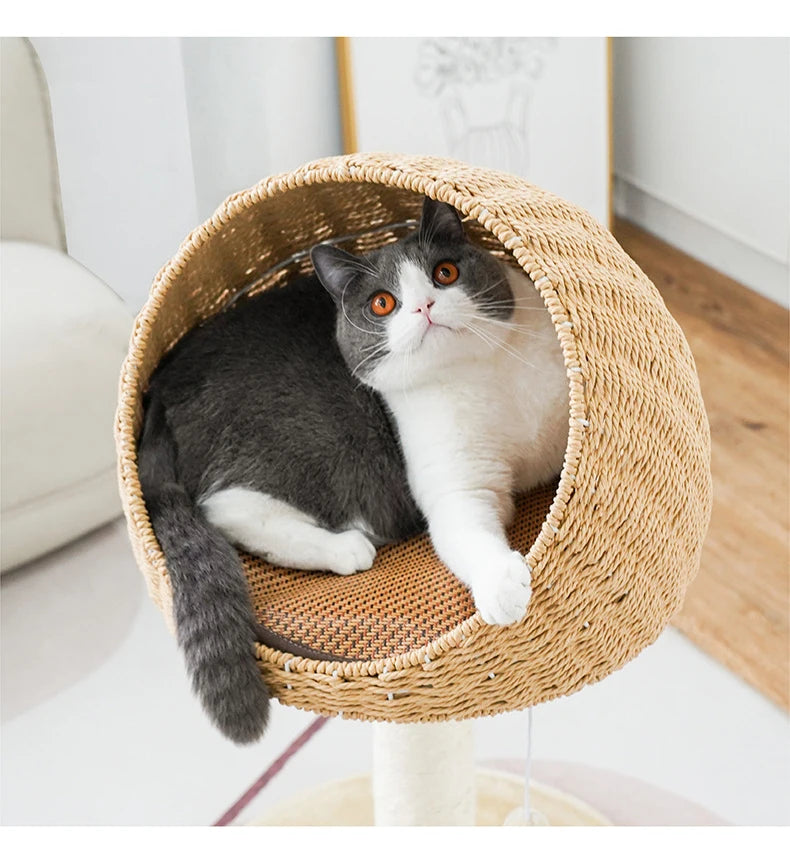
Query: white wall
(122, 139)
(702, 150)
(257, 106)
(153, 133)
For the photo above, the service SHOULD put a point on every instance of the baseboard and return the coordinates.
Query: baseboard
(744, 263)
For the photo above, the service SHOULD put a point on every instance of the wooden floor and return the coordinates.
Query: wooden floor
(737, 609)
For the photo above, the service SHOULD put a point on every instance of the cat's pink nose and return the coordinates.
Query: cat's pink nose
(424, 308)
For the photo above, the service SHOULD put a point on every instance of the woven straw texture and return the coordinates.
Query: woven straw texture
(612, 548)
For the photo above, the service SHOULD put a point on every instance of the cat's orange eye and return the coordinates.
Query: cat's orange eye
(445, 273)
(382, 303)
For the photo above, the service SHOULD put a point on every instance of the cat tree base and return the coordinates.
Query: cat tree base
(498, 794)
(424, 775)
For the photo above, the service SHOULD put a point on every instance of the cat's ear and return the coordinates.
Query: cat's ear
(335, 268)
(440, 223)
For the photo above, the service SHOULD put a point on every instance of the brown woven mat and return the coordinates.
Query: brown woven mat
(408, 599)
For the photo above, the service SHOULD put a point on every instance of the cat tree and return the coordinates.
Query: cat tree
(612, 547)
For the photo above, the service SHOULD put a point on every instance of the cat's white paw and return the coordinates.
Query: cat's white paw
(503, 591)
(349, 552)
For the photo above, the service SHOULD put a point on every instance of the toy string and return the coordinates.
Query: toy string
(528, 768)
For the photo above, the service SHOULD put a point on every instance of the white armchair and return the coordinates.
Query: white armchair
(64, 335)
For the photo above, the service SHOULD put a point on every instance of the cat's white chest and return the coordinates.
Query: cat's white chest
(488, 412)
(494, 423)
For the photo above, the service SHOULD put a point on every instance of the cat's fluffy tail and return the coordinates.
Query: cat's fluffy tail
(215, 624)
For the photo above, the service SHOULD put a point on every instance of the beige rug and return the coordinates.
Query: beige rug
(499, 797)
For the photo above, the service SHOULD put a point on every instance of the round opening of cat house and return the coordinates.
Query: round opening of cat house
(612, 545)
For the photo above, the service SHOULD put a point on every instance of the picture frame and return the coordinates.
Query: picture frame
(489, 101)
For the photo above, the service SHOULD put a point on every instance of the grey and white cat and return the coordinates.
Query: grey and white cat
(422, 383)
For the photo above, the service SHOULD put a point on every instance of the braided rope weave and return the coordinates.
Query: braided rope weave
(622, 537)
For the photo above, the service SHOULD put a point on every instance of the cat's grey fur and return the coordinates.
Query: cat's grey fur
(261, 397)
(353, 280)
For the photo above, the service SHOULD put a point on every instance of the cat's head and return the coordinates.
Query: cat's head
(413, 307)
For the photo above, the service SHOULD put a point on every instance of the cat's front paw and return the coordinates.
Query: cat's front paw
(503, 591)
(350, 552)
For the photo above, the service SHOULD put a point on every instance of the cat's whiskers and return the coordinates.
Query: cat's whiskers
(519, 329)
(426, 234)
(511, 303)
(480, 293)
(480, 335)
(376, 348)
(528, 308)
(360, 262)
(507, 305)
(506, 347)
(347, 317)
(500, 308)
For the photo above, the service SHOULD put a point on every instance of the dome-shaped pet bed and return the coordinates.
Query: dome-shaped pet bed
(612, 548)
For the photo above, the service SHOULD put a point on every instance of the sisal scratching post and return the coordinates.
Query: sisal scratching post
(424, 774)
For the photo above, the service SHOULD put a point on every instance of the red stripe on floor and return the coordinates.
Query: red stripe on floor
(270, 772)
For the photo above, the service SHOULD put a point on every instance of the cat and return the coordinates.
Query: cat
(419, 385)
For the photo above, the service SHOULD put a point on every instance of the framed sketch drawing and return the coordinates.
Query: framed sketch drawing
(536, 107)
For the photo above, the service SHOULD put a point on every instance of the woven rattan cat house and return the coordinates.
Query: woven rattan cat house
(612, 547)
